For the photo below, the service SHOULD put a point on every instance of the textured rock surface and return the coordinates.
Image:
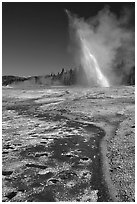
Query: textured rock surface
(52, 144)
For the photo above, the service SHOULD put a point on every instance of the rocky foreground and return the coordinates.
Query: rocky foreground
(68, 144)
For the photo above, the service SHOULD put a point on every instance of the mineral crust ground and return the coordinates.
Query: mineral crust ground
(68, 144)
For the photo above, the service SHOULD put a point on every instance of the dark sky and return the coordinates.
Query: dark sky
(35, 36)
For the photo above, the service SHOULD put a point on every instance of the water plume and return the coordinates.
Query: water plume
(90, 64)
(103, 46)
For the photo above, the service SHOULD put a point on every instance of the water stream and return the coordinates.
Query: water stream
(66, 166)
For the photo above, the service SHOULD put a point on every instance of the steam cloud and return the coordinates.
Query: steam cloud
(111, 41)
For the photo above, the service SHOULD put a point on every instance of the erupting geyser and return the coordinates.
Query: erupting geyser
(104, 46)
(90, 64)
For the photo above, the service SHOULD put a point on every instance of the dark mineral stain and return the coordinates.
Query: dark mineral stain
(21, 190)
(85, 158)
(18, 144)
(8, 179)
(34, 135)
(11, 195)
(46, 176)
(5, 152)
(69, 155)
(54, 181)
(41, 154)
(8, 147)
(7, 173)
(36, 166)
(43, 142)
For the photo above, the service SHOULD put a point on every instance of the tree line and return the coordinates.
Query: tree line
(65, 77)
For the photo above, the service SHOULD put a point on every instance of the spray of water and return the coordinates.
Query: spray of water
(103, 46)
(90, 64)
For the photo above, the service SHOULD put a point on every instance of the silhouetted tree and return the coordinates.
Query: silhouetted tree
(131, 77)
(62, 71)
